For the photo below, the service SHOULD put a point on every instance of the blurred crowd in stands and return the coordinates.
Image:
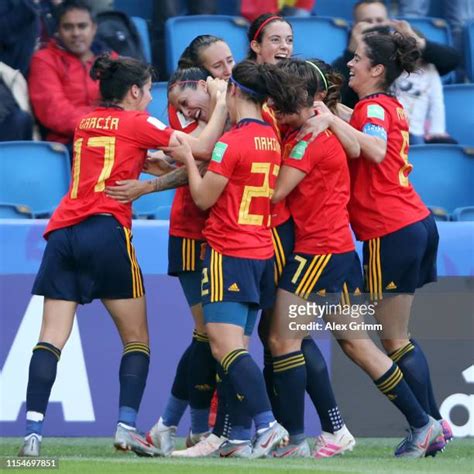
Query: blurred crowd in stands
(47, 48)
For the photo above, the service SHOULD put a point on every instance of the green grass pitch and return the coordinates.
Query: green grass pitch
(371, 455)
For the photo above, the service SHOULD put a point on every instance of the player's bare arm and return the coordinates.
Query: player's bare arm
(288, 179)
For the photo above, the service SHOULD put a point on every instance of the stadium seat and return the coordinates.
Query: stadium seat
(141, 8)
(151, 206)
(443, 174)
(434, 29)
(158, 107)
(459, 114)
(439, 213)
(181, 30)
(469, 49)
(319, 37)
(14, 211)
(142, 28)
(334, 8)
(34, 174)
(464, 214)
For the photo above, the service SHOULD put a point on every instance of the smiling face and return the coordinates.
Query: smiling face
(360, 70)
(218, 60)
(276, 43)
(192, 103)
(76, 31)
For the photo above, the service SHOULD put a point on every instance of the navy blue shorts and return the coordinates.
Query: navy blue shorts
(242, 280)
(402, 261)
(317, 277)
(191, 285)
(283, 238)
(94, 259)
(184, 255)
(353, 287)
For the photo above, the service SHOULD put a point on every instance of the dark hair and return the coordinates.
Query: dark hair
(262, 81)
(334, 80)
(396, 52)
(191, 56)
(116, 76)
(187, 78)
(69, 5)
(256, 25)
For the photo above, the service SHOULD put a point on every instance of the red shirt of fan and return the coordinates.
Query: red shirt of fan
(318, 204)
(249, 156)
(280, 212)
(110, 145)
(382, 198)
(186, 219)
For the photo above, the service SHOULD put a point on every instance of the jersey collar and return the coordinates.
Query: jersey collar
(247, 121)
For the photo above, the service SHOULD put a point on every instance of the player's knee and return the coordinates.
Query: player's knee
(352, 349)
(276, 344)
(392, 345)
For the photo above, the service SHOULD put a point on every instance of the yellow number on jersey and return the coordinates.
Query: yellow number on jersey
(404, 155)
(251, 192)
(108, 143)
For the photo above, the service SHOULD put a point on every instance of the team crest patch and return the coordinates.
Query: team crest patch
(299, 150)
(375, 111)
(218, 152)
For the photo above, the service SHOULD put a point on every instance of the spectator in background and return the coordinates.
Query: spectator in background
(16, 120)
(456, 12)
(19, 29)
(421, 94)
(373, 13)
(61, 89)
(251, 9)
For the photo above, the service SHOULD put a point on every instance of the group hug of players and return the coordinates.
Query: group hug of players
(271, 174)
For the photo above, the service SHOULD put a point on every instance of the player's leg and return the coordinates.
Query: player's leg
(58, 318)
(57, 282)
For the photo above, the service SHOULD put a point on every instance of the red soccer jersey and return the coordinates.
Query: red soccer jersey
(318, 204)
(110, 144)
(186, 219)
(239, 222)
(382, 198)
(280, 211)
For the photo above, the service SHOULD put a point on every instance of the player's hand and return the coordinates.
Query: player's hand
(315, 125)
(404, 28)
(128, 190)
(344, 112)
(216, 86)
(180, 152)
(157, 164)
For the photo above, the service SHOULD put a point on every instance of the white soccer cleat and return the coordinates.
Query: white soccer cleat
(331, 444)
(162, 437)
(31, 446)
(129, 439)
(269, 439)
(207, 447)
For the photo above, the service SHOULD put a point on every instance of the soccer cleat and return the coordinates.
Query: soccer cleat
(331, 444)
(447, 431)
(428, 439)
(300, 450)
(194, 438)
(162, 437)
(129, 439)
(438, 446)
(207, 447)
(233, 449)
(266, 441)
(31, 446)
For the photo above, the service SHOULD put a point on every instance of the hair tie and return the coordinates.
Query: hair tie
(260, 28)
(321, 74)
(245, 89)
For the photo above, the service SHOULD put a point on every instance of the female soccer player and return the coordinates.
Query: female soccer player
(189, 113)
(315, 180)
(89, 253)
(238, 266)
(400, 236)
